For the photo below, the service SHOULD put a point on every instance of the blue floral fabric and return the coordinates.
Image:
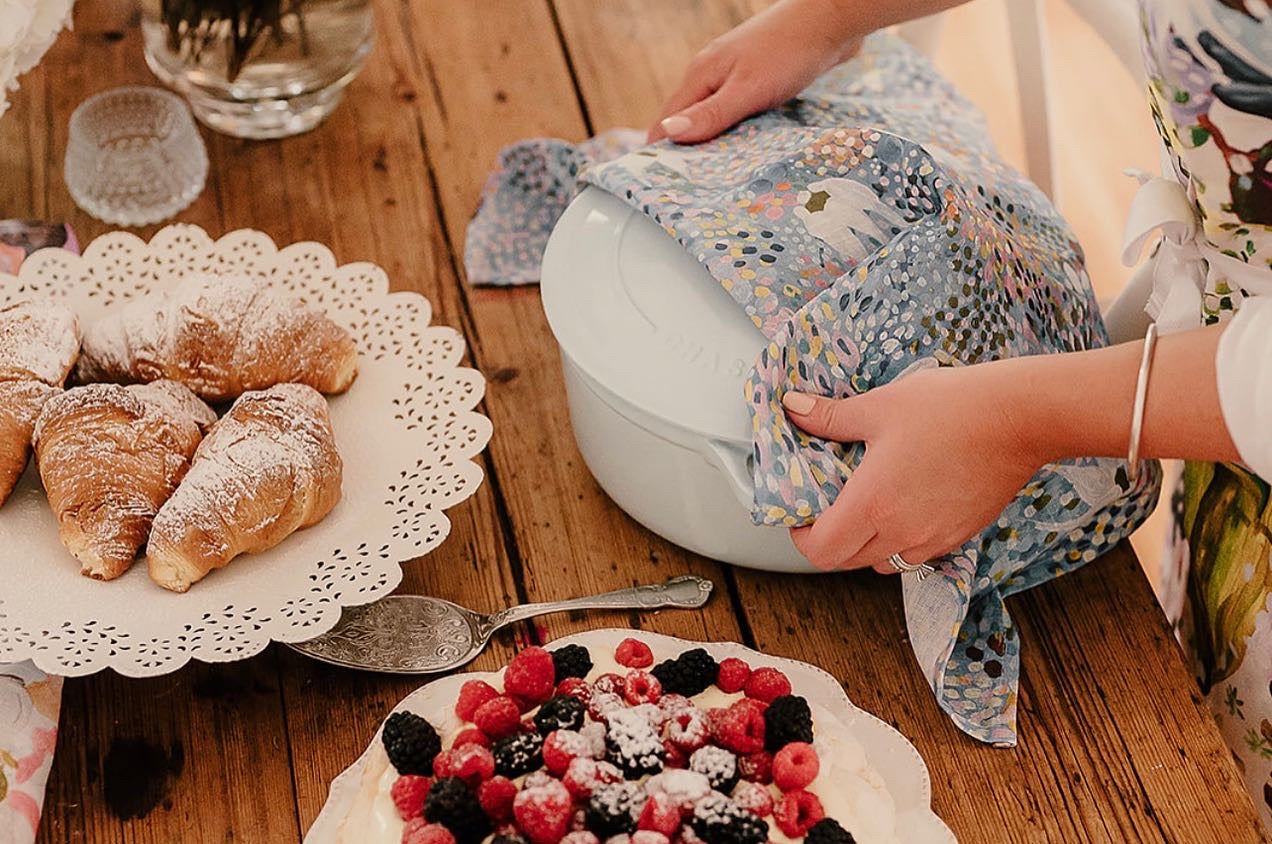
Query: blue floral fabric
(869, 229)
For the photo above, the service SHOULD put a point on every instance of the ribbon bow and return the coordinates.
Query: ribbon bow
(1184, 263)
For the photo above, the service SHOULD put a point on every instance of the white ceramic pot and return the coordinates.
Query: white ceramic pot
(655, 355)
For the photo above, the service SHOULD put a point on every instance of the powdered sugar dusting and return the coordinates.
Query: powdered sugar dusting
(109, 457)
(270, 460)
(38, 340)
(221, 336)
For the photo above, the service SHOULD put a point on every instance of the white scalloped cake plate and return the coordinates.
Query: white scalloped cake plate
(887, 750)
(407, 432)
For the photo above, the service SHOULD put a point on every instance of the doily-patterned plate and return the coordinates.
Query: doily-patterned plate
(407, 432)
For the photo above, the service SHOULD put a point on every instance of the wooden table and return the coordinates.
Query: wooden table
(1115, 742)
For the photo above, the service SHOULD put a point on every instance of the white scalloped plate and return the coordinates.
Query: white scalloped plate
(889, 752)
(406, 430)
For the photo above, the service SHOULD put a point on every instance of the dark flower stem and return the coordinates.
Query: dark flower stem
(194, 26)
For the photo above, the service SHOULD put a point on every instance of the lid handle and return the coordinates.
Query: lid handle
(736, 465)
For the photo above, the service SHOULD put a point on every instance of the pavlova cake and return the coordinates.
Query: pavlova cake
(627, 747)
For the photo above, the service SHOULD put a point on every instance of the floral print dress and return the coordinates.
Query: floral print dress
(1209, 65)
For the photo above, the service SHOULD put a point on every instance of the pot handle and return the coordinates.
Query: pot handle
(736, 466)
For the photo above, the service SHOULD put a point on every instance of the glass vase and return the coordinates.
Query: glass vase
(258, 68)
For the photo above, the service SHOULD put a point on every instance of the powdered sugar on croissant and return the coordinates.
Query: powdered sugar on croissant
(109, 457)
(221, 336)
(267, 468)
(38, 341)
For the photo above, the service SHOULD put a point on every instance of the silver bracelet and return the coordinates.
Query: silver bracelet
(1141, 395)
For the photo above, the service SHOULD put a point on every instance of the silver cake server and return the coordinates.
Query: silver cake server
(414, 634)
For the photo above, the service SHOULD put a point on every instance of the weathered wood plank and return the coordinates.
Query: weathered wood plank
(497, 77)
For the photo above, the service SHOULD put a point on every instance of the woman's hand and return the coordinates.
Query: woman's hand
(943, 458)
(758, 65)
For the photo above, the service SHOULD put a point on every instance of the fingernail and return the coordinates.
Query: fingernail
(675, 125)
(801, 404)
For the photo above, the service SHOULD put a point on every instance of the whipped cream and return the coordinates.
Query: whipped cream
(850, 790)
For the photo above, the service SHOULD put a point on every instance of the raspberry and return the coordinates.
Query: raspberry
(674, 757)
(733, 675)
(684, 788)
(584, 775)
(580, 836)
(672, 704)
(472, 695)
(410, 742)
(795, 766)
(756, 767)
(408, 793)
(602, 704)
(740, 728)
(610, 683)
(531, 675)
(594, 735)
(786, 720)
(641, 687)
(495, 796)
(827, 831)
(575, 687)
(472, 763)
(633, 653)
(420, 831)
(649, 836)
(498, 717)
(688, 729)
(767, 684)
(562, 747)
(543, 812)
(471, 735)
(753, 797)
(660, 814)
(571, 661)
(797, 813)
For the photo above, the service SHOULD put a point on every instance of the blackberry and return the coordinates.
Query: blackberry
(632, 745)
(718, 765)
(718, 820)
(411, 743)
(518, 754)
(787, 719)
(827, 831)
(452, 804)
(688, 674)
(614, 809)
(571, 661)
(561, 713)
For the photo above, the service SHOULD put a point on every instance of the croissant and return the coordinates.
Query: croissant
(220, 336)
(20, 404)
(38, 346)
(266, 469)
(38, 341)
(109, 456)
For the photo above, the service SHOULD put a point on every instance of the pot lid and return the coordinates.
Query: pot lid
(645, 320)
